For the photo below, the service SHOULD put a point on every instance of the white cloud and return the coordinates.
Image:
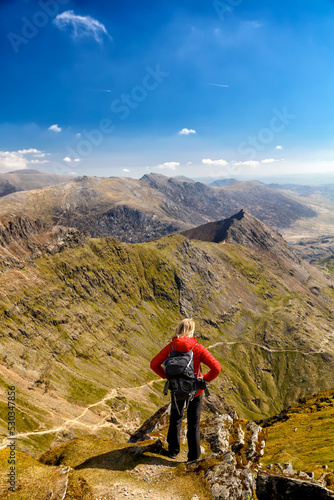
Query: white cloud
(39, 155)
(28, 151)
(220, 163)
(279, 147)
(82, 26)
(170, 165)
(125, 170)
(189, 163)
(55, 128)
(187, 131)
(247, 163)
(69, 160)
(18, 160)
(38, 161)
(268, 160)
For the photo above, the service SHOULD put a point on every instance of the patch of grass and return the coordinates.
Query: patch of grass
(306, 437)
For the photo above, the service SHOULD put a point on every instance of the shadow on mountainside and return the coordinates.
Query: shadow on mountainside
(127, 459)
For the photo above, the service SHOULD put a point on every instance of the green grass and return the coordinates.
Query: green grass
(96, 315)
(306, 438)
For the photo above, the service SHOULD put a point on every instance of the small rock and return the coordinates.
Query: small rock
(287, 468)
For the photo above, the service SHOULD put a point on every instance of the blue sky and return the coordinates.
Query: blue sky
(197, 88)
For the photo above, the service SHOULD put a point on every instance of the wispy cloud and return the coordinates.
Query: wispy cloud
(279, 147)
(55, 128)
(125, 170)
(268, 160)
(219, 85)
(220, 163)
(187, 131)
(19, 160)
(169, 165)
(100, 90)
(82, 26)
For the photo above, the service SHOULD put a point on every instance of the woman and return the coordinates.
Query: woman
(183, 341)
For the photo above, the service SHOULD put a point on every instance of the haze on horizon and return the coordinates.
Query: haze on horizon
(201, 89)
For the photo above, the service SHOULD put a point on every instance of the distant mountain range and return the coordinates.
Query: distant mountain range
(28, 179)
(141, 210)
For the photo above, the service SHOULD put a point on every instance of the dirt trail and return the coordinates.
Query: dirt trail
(133, 392)
(265, 348)
(77, 420)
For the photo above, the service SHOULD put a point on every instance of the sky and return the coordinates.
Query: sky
(200, 88)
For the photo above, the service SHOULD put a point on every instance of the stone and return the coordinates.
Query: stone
(231, 483)
(274, 487)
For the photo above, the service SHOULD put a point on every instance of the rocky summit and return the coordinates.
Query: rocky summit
(80, 320)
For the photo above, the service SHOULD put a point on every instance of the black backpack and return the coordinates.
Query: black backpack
(181, 378)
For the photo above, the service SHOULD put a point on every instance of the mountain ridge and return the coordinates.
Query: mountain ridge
(71, 325)
(146, 209)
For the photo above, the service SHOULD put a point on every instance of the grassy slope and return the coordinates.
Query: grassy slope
(78, 324)
(304, 435)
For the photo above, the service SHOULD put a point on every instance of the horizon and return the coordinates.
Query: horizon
(312, 179)
(214, 90)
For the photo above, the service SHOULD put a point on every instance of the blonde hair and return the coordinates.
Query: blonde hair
(185, 328)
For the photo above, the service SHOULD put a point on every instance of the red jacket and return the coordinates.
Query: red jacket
(201, 355)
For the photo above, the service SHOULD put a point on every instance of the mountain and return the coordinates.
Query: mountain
(223, 182)
(79, 327)
(28, 179)
(183, 178)
(146, 209)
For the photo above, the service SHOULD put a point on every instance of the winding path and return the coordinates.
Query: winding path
(114, 392)
(111, 395)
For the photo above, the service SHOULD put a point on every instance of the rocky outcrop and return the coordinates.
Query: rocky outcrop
(133, 225)
(234, 473)
(23, 239)
(284, 483)
(244, 229)
(159, 419)
(237, 446)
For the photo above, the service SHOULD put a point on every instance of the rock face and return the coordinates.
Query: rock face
(290, 487)
(23, 239)
(244, 229)
(238, 446)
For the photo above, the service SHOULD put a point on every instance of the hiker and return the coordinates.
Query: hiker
(183, 342)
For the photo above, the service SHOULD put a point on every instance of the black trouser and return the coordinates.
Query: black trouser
(193, 435)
